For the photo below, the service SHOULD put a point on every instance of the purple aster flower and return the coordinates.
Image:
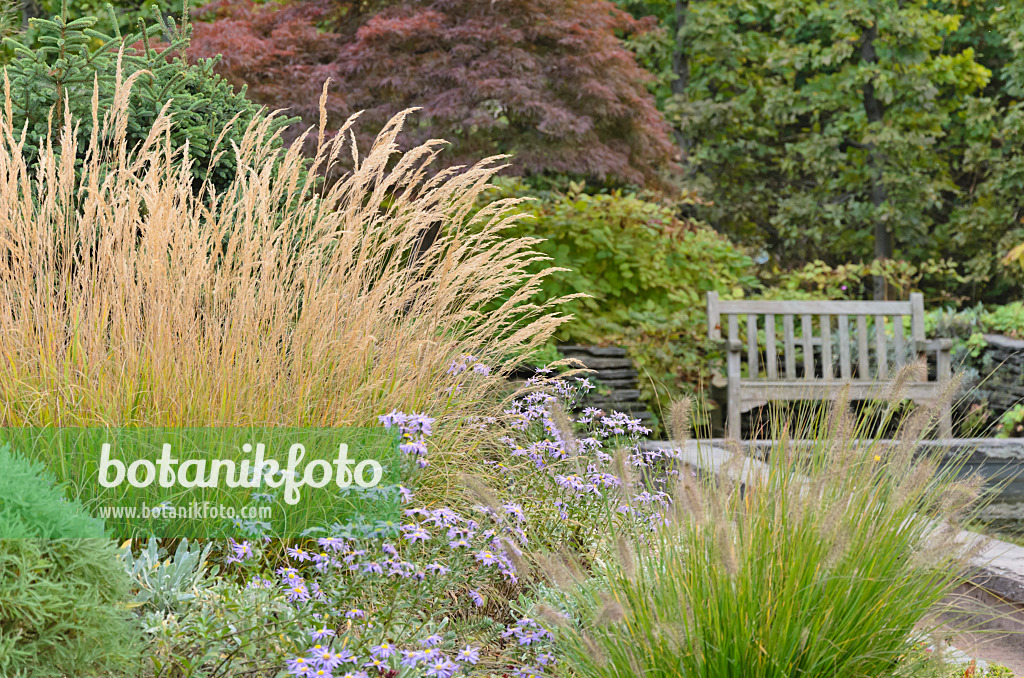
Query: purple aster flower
(298, 592)
(322, 632)
(355, 613)
(299, 666)
(418, 534)
(393, 418)
(486, 557)
(431, 641)
(373, 567)
(297, 554)
(382, 651)
(442, 668)
(378, 664)
(437, 568)
(331, 543)
(470, 655)
(324, 658)
(345, 657)
(477, 599)
(412, 657)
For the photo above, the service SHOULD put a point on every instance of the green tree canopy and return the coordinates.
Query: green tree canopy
(850, 130)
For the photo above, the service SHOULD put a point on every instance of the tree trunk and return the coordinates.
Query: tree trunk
(875, 113)
(30, 9)
(681, 69)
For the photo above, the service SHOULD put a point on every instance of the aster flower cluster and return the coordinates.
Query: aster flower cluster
(366, 593)
(413, 429)
(328, 658)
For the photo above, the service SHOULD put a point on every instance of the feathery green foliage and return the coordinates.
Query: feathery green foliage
(31, 506)
(62, 590)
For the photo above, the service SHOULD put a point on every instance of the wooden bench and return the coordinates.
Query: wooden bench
(770, 377)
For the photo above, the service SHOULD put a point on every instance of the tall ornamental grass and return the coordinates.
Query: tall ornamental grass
(823, 562)
(131, 295)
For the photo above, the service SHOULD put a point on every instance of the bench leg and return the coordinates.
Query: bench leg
(733, 418)
(946, 424)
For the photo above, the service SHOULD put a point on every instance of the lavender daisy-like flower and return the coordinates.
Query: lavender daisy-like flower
(378, 664)
(324, 658)
(331, 543)
(477, 599)
(431, 641)
(442, 668)
(355, 613)
(410, 658)
(393, 418)
(297, 554)
(299, 666)
(382, 651)
(345, 657)
(438, 568)
(297, 593)
(468, 654)
(486, 557)
(405, 493)
(418, 534)
(322, 632)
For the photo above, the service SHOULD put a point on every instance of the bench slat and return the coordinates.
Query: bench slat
(771, 358)
(917, 317)
(882, 356)
(897, 328)
(844, 348)
(825, 322)
(752, 344)
(790, 350)
(817, 307)
(808, 341)
(863, 369)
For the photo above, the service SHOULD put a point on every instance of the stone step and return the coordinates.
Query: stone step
(615, 383)
(621, 394)
(595, 363)
(572, 351)
(605, 375)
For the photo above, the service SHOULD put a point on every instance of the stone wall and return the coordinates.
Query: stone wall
(1001, 374)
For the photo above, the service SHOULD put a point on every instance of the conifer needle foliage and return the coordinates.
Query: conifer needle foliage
(75, 62)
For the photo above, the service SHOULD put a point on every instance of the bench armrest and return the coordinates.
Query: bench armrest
(941, 345)
(735, 346)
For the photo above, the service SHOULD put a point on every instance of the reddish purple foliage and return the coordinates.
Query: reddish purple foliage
(546, 80)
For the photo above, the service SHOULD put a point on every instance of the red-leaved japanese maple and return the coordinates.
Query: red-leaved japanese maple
(548, 81)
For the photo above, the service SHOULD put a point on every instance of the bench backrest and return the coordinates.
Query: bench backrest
(817, 321)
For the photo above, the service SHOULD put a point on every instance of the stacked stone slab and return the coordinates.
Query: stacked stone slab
(1002, 366)
(615, 378)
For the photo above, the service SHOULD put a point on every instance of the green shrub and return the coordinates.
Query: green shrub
(62, 590)
(71, 56)
(647, 274)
